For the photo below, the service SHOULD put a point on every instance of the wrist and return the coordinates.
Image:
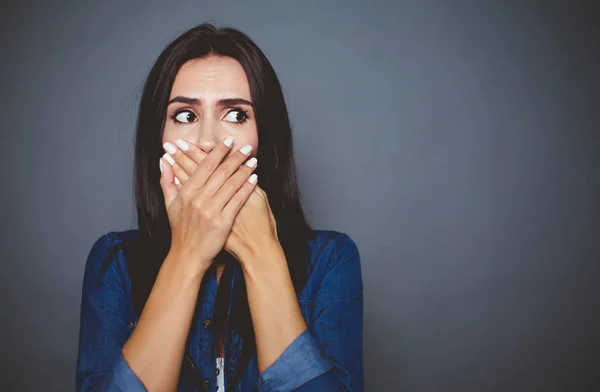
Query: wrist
(188, 265)
(269, 258)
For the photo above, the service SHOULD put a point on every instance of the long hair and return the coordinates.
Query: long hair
(276, 175)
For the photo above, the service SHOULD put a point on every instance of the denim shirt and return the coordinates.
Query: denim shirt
(325, 357)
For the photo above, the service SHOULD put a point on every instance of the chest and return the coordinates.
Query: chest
(211, 359)
(206, 371)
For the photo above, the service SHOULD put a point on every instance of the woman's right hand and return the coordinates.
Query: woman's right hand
(202, 211)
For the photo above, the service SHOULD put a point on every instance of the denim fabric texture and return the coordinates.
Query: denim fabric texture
(325, 357)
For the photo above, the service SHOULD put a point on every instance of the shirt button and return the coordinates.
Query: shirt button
(131, 324)
(204, 385)
(206, 324)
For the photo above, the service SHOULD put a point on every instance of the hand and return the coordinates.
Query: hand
(201, 211)
(254, 227)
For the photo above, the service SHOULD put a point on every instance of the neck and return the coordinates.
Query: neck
(220, 268)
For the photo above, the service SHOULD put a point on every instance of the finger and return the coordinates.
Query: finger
(192, 151)
(177, 170)
(183, 166)
(240, 198)
(234, 183)
(167, 183)
(230, 166)
(210, 163)
(261, 192)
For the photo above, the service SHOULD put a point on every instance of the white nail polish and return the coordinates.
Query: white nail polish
(251, 162)
(177, 181)
(246, 149)
(161, 166)
(182, 144)
(170, 148)
(169, 159)
(228, 141)
(253, 178)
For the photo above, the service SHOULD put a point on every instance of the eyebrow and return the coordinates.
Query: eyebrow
(220, 102)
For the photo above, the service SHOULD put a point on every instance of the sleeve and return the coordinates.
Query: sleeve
(328, 355)
(103, 328)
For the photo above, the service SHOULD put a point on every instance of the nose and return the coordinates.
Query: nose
(208, 136)
(206, 144)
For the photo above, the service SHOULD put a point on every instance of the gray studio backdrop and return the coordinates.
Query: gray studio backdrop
(456, 143)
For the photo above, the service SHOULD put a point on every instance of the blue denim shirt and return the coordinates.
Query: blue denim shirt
(325, 357)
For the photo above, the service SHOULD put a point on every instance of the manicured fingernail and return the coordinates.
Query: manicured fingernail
(251, 162)
(170, 148)
(246, 149)
(228, 141)
(169, 159)
(177, 181)
(253, 178)
(161, 165)
(182, 144)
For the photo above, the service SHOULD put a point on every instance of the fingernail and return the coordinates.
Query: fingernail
(161, 165)
(246, 149)
(251, 162)
(170, 148)
(182, 144)
(177, 181)
(228, 141)
(253, 178)
(169, 159)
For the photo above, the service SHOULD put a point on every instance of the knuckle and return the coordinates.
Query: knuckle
(209, 165)
(228, 188)
(237, 201)
(208, 214)
(218, 172)
(197, 204)
(222, 174)
(198, 158)
(198, 155)
(219, 221)
(185, 194)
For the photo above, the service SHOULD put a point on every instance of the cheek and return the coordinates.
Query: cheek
(167, 137)
(240, 141)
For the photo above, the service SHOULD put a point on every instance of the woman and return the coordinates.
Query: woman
(221, 288)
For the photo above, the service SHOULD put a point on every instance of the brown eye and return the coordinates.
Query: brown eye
(236, 116)
(185, 117)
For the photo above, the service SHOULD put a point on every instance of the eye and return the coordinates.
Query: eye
(236, 116)
(184, 117)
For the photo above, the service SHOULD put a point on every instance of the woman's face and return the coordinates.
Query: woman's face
(209, 101)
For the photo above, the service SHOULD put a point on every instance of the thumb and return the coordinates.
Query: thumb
(167, 183)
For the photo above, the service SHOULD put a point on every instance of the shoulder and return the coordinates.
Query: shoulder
(333, 255)
(104, 258)
(332, 239)
(331, 246)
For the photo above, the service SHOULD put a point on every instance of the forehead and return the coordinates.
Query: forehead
(211, 78)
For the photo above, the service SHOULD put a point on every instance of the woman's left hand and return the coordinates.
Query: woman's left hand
(254, 227)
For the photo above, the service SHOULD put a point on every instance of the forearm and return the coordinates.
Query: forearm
(276, 315)
(155, 349)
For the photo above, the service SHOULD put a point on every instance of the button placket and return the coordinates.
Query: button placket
(204, 385)
(133, 323)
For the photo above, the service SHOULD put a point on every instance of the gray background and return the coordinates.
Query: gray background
(457, 143)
